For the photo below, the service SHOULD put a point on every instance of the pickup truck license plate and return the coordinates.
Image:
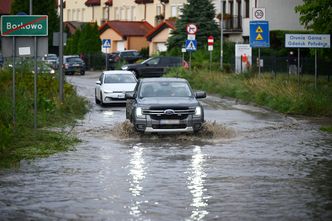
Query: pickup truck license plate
(169, 121)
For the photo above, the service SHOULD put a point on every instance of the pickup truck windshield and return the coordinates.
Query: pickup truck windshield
(165, 89)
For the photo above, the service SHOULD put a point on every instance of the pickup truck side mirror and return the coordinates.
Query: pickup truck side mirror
(129, 95)
(200, 94)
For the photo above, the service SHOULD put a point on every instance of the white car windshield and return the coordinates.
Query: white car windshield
(119, 78)
(165, 89)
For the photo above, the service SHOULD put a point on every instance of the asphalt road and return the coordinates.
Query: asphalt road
(272, 167)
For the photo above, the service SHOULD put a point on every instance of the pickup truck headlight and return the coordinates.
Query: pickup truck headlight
(139, 112)
(198, 111)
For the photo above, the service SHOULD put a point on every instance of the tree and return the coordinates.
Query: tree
(89, 41)
(201, 13)
(45, 7)
(316, 15)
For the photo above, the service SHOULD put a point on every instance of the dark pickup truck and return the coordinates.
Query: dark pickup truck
(165, 105)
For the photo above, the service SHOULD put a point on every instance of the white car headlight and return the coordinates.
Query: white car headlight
(108, 92)
(124, 67)
(198, 111)
(52, 71)
(139, 112)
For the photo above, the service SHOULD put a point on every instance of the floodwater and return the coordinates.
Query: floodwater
(270, 167)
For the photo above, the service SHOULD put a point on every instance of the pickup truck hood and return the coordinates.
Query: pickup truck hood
(168, 101)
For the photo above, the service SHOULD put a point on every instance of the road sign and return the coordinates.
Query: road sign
(259, 34)
(210, 40)
(307, 41)
(24, 25)
(106, 43)
(191, 29)
(210, 47)
(191, 45)
(191, 37)
(258, 14)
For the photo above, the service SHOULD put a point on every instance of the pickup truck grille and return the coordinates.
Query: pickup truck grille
(179, 114)
(170, 126)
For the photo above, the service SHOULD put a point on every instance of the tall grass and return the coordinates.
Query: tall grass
(283, 94)
(20, 140)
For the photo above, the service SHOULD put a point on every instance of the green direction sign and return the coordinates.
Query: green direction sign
(24, 25)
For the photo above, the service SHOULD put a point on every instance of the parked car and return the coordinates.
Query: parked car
(155, 66)
(127, 56)
(164, 105)
(52, 60)
(72, 64)
(112, 86)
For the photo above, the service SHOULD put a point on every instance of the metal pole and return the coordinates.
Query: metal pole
(61, 96)
(259, 61)
(190, 61)
(35, 87)
(106, 62)
(30, 7)
(14, 82)
(315, 68)
(221, 35)
(210, 61)
(298, 65)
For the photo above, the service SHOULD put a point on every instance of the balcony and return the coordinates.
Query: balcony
(232, 24)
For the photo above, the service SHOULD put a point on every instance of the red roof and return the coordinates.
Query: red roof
(92, 3)
(127, 28)
(159, 28)
(5, 6)
(109, 3)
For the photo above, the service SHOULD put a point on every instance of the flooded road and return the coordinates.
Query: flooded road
(273, 168)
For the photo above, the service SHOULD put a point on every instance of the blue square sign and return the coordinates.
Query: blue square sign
(259, 34)
(106, 43)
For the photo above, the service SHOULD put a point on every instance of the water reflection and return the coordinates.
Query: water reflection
(137, 172)
(196, 185)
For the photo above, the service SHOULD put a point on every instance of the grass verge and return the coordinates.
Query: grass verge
(20, 141)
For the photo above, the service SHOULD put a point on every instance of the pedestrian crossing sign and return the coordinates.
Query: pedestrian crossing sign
(106, 43)
(191, 45)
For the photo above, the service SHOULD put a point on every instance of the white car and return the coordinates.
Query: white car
(112, 86)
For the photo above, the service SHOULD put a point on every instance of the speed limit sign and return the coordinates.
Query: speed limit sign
(258, 14)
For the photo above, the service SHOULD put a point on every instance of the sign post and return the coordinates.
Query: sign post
(210, 49)
(24, 25)
(259, 38)
(106, 43)
(191, 43)
(308, 41)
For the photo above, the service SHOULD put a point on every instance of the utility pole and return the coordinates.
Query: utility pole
(61, 96)
(221, 35)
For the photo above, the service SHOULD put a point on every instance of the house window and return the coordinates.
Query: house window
(68, 15)
(247, 8)
(73, 15)
(173, 11)
(133, 13)
(83, 14)
(78, 15)
(116, 13)
(121, 14)
(224, 7)
(231, 7)
(180, 7)
(105, 13)
(158, 10)
(128, 14)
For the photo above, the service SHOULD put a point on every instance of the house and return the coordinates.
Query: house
(158, 36)
(100, 11)
(238, 13)
(125, 34)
